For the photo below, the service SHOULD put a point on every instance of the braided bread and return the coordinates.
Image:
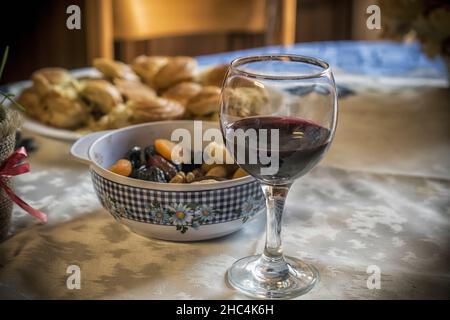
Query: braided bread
(155, 109)
(205, 102)
(114, 69)
(147, 67)
(100, 94)
(182, 92)
(213, 76)
(178, 69)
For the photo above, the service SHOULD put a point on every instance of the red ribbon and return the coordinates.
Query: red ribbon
(13, 166)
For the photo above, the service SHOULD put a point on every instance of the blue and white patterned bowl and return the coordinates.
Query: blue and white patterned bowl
(178, 212)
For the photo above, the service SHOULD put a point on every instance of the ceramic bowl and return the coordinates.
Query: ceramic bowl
(178, 212)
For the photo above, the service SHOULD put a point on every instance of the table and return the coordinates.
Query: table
(379, 201)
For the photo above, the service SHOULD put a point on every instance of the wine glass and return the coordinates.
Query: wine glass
(278, 117)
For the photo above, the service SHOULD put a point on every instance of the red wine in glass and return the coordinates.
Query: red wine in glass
(300, 146)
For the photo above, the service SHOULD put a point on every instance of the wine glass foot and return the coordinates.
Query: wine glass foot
(298, 280)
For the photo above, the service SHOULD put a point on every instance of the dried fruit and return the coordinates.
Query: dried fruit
(135, 156)
(218, 171)
(218, 153)
(231, 168)
(180, 177)
(150, 174)
(122, 167)
(239, 173)
(167, 167)
(190, 177)
(149, 152)
(164, 148)
(206, 167)
(158, 175)
(197, 173)
(152, 164)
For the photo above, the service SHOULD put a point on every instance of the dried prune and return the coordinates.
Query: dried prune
(167, 167)
(149, 151)
(150, 174)
(138, 172)
(158, 175)
(135, 156)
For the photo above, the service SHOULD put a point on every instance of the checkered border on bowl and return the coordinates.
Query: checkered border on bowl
(161, 207)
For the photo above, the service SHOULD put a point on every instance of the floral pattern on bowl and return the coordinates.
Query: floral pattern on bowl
(183, 216)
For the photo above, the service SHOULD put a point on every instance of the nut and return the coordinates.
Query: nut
(180, 177)
(190, 177)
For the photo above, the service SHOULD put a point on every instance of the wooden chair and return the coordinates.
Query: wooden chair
(133, 20)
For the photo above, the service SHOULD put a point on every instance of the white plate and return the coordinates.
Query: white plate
(41, 129)
(38, 128)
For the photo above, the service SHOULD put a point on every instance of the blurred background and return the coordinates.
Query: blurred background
(38, 37)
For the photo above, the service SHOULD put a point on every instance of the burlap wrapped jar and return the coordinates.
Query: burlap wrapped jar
(8, 129)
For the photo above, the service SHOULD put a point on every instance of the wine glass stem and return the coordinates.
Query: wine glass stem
(275, 199)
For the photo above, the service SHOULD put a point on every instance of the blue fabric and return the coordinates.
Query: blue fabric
(377, 58)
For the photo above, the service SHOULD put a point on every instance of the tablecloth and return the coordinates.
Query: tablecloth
(378, 201)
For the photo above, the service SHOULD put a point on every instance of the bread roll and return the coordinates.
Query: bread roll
(207, 101)
(47, 79)
(119, 117)
(155, 109)
(178, 69)
(182, 92)
(63, 111)
(101, 95)
(213, 76)
(114, 69)
(31, 101)
(134, 90)
(147, 67)
(245, 101)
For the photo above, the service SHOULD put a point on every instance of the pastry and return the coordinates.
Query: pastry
(147, 67)
(63, 111)
(114, 69)
(119, 117)
(205, 102)
(182, 92)
(177, 69)
(213, 76)
(245, 101)
(101, 95)
(152, 89)
(134, 90)
(46, 79)
(155, 109)
(31, 101)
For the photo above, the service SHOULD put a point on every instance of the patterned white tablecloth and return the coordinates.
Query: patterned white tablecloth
(380, 198)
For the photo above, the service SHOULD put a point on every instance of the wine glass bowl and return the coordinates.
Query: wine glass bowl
(278, 118)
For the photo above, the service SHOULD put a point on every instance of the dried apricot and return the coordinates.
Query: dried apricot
(218, 171)
(239, 173)
(122, 167)
(164, 148)
(206, 167)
